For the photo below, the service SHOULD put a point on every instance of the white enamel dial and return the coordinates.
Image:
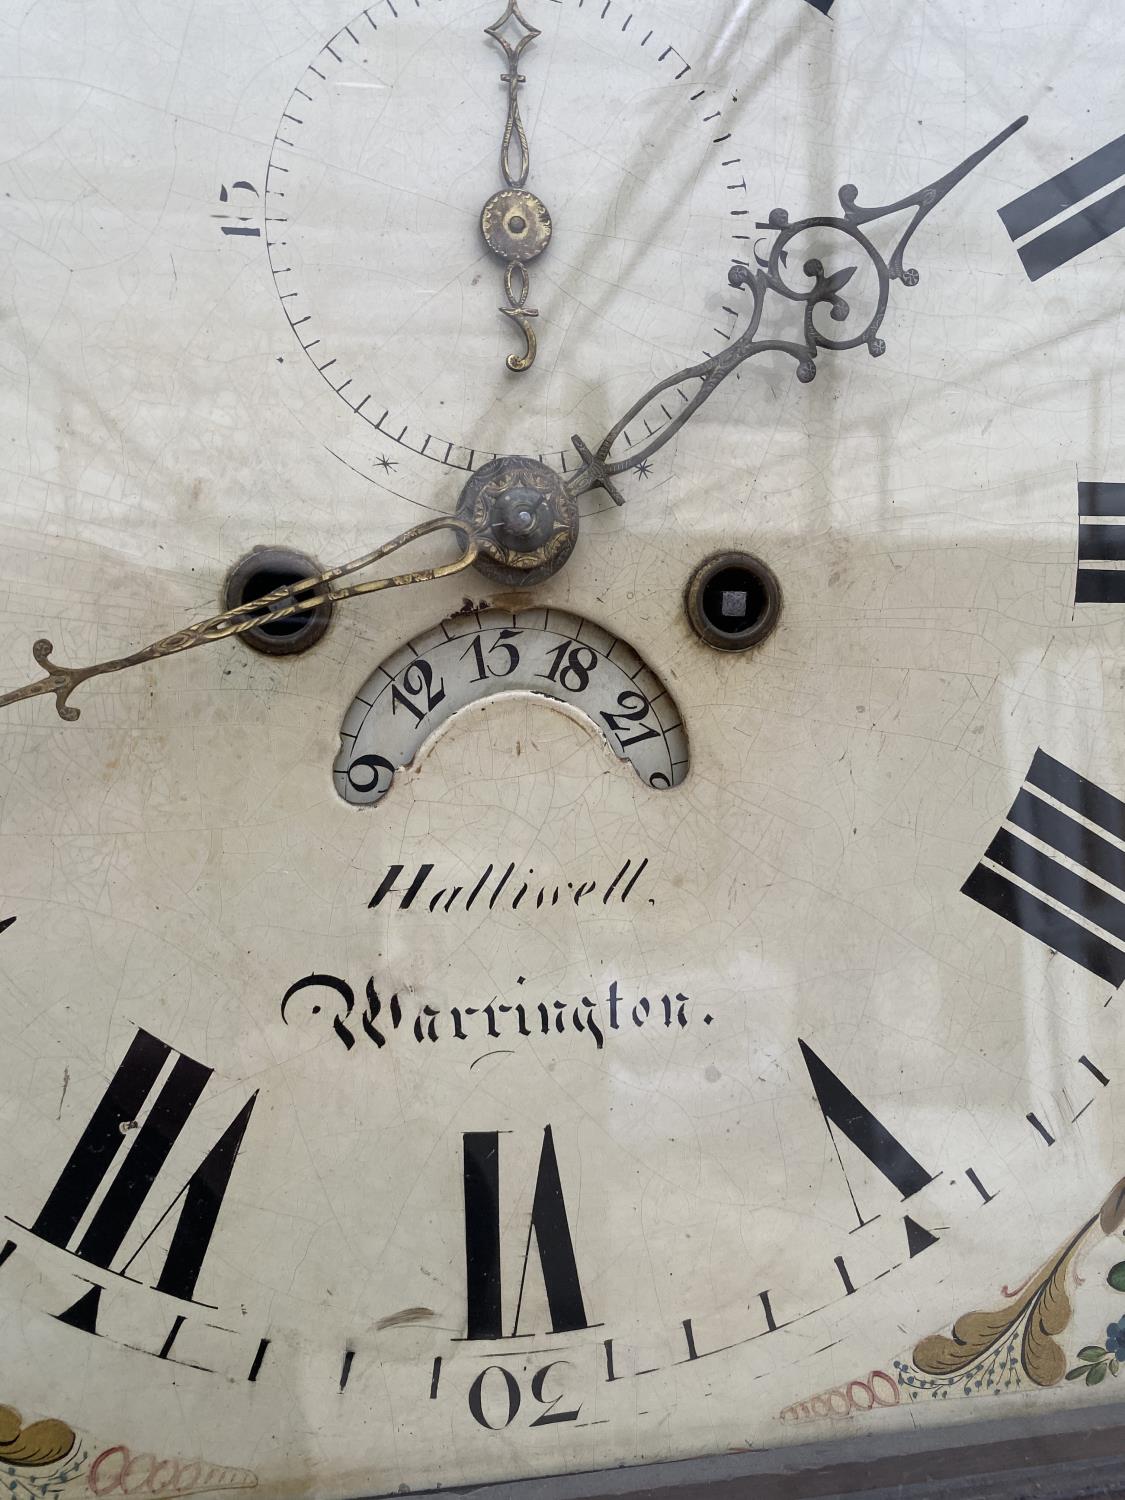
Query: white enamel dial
(513, 1037)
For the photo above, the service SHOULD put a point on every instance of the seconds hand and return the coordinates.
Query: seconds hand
(517, 519)
(515, 223)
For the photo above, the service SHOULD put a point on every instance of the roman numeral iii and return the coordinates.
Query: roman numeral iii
(1042, 845)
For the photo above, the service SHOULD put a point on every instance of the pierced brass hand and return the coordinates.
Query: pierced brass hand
(517, 518)
(515, 223)
(598, 470)
(281, 604)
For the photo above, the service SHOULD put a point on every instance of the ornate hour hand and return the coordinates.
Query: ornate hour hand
(598, 470)
(515, 223)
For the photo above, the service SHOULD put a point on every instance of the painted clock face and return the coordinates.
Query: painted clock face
(517, 1035)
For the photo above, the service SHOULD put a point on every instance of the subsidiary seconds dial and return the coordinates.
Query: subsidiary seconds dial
(373, 223)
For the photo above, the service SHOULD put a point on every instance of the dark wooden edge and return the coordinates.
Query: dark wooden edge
(1067, 1456)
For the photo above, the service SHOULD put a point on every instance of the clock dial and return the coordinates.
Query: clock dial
(652, 994)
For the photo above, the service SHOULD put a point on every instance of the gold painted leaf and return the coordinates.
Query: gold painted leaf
(38, 1444)
(1044, 1299)
(1112, 1214)
(973, 1334)
(1054, 1311)
(1043, 1359)
(10, 1423)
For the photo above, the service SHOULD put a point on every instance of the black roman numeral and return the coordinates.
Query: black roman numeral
(841, 1108)
(1068, 843)
(1081, 230)
(1101, 539)
(89, 1166)
(824, 6)
(482, 1241)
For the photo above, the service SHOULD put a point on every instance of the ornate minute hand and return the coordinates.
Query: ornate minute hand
(599, 471)
(281, 604)
(515, 223)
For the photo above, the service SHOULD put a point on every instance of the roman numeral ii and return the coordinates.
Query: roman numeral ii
(1086, 223)
(1101, 539)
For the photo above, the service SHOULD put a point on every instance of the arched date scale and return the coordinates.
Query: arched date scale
(488, 652)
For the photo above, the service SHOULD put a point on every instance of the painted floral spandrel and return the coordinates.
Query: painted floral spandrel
(1010, 1347)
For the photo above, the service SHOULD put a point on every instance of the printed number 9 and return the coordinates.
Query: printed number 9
(370, 768)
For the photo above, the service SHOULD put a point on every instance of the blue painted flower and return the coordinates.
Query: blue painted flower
(1115, 1339)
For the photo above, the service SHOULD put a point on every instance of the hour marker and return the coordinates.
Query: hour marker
(1053, 869)
(1101, 544)
(980, 1187)
(89, 1171)
(1086, 226)
(853, 1119)
(548, 1225)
